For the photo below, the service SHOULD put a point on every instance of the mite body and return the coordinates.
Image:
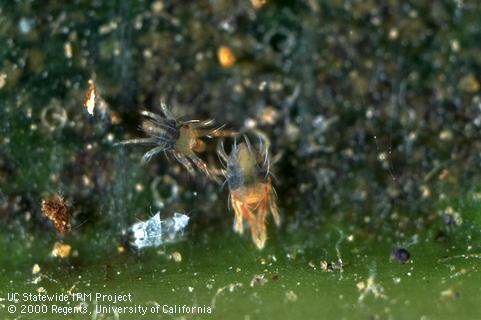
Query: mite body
(252, 195)
(182, 139)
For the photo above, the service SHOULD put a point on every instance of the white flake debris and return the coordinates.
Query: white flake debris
(291, 296)
(67, 47)
(154, 232)
(370, 287)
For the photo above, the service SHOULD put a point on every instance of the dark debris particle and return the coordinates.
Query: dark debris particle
(56, 209)
(440, 236)
(400, 254)
(449, 219)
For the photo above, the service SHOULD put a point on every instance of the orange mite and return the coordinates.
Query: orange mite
(56, 209)
(182, 139)
(252, 195)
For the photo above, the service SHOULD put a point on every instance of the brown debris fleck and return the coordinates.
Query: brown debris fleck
(56, 209)
(90, 97)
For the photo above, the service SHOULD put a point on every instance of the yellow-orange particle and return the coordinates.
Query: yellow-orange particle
(258, 3)
(61, 250)
(176, 256)
(226, 57)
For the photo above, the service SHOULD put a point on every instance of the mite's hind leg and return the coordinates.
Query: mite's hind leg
(251, 219)
(254, 225)
(238, 221)
(274, 209)
(261, 223)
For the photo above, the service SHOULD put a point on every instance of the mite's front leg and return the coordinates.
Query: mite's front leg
(184, 161)
(202, 166)
(261, 222)
(152, 153)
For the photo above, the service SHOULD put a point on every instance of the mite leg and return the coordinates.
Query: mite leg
(152, 115)
(238, 225)
(195, 124)
(152, 152)
(146, 141)
(202, 166)
(220, 132)
(221, 153)
(253, 225)
(261, 221)
(274, 209)
(165, 110)
(184, 161)
(243, 209)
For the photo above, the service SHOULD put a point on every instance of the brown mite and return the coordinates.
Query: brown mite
(251, 193)
(56, 209)
(182, 139)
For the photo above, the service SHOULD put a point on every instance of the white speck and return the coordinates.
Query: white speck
(35, 269)
(67, 47)
(107, 28)
(455, 45)
(250, 123)
(393, 34)
(3, 80)
(25, 25)
(157, 6)
(291, 296)
(180, 221)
